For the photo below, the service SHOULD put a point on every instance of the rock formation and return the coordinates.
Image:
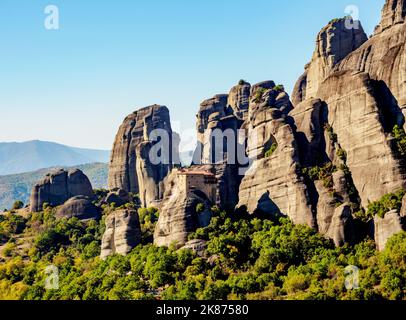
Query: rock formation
(341, 228)
(117, 196)
(386, 227)
(179, 214)
(58, 187)
(132, 167)
(197, 245)
(273, 184)
(238, 99)
(333, 44)
(403, 209)
(318, 160)
(394, 12)
(123, 233)
(353, 91)
(80, 207)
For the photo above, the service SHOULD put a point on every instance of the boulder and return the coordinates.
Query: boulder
(383, 57)
(387, 227)
(118, 196)
(196, 245)
(341, 229)
(123, 233)
(80, 207)
(59, 186)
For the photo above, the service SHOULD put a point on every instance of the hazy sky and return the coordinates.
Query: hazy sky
(75, 85)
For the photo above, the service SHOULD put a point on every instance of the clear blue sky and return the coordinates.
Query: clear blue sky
(76, 85)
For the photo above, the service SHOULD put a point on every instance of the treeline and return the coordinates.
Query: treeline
(246, 258)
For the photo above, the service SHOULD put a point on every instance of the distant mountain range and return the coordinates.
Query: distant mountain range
(34, 155)
(18, 186)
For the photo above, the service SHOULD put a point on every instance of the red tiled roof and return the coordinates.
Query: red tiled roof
(196, 173)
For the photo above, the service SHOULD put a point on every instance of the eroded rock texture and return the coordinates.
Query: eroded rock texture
(123, 233)
(117, 196)
(273, 184)
(386, 227)
(178, 215)
(80, 207)
(354, 91)
(333, 44)
(132, 168)
(58, 187)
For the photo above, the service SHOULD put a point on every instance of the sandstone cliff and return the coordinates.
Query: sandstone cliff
(131, 167)
(333, 44)
(353, 91)
(273, 184)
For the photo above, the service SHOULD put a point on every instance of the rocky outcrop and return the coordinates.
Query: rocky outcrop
(216, 120)
(117, 196)
(136, 165)
(333, 44)
(353, 91)
(196, 245)
(179, 215)
(238, 99)
(123, 233)
(387, 227)
(363, 95)
(394, 12)
(310, 117)
(403, 209)
(273, 184)
(355, 114)
(80, 207)
(58, 187)
(341, 228)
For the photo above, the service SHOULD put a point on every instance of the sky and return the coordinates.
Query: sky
(75, 85)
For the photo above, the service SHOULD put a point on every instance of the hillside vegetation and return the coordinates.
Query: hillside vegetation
(248, 258)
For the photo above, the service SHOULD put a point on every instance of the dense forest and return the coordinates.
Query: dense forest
(247, 257)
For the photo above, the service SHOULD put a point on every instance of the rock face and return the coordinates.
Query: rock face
(58, 187)
(178, 215)
(273, 184)
(132, 168)
(197, 245)
(333, 44)
(123, 233)
(80, 207)
(387, 227)
(354, 112)
(238, 99)
(341, 229)
(117, 196)
(403, 209)
(354, 91)
(394, 12)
